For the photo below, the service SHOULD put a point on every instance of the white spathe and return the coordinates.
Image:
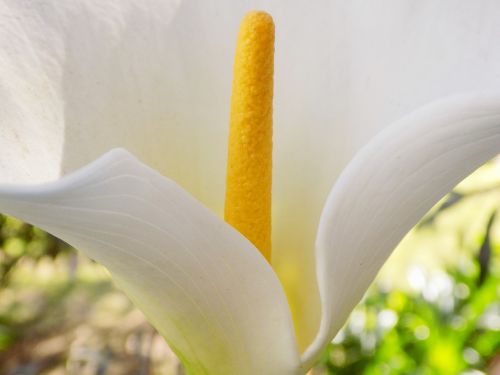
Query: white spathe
(206, 288)
(78, 78)
(203, 285)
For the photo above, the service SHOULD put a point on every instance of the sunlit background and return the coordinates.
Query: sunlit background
(434, 308)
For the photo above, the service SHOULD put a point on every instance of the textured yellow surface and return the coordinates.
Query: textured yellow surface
(249, 167)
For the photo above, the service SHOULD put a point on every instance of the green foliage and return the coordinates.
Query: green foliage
(449, 325)
(20, 241)
(442, 333)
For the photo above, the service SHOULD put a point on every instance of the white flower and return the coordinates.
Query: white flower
(78, 78)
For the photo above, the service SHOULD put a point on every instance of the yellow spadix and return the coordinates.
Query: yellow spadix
(249, 166)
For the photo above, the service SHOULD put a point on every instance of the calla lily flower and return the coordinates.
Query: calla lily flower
(380, 109)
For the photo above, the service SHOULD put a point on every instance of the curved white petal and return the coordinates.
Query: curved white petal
(347, 69)
(390, 184)
(206, 288)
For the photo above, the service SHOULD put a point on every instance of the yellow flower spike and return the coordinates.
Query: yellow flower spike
(249, 166)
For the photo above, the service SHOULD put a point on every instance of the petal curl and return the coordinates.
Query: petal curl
(390, 184)
(206, 288)
(344, 71)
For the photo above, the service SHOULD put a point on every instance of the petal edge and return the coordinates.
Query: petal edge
(388, 186)
(202, 284)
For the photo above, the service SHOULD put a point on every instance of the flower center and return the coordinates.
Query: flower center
(249, 167)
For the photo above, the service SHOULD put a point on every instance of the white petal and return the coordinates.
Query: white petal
(205, 287)
(80, 77)
(347, 69)
(390, 184)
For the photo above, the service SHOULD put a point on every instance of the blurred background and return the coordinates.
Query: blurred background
(434, 308)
